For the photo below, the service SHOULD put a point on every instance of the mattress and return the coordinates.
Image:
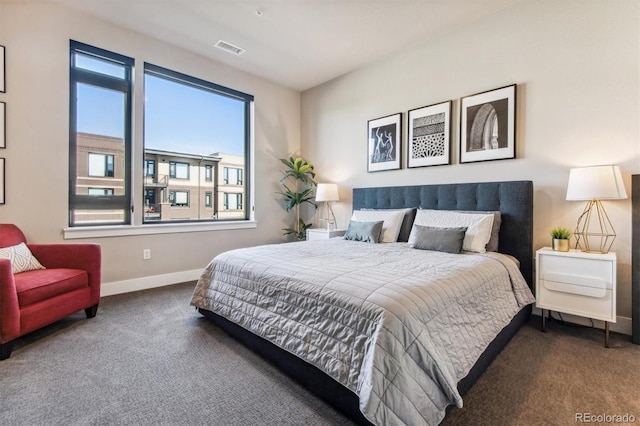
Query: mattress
(397, 326)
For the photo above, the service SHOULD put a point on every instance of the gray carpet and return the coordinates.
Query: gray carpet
(148, 358)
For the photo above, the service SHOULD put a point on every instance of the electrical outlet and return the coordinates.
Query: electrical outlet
(146, 254)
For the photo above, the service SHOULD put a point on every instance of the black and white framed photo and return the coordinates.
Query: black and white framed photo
(488, 125)
(1, 180)
(3, 125)
(2, 64)
(384, 143)
(429, 138)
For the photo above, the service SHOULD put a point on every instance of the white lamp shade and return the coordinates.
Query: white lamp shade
(596, 183)
(327, 192)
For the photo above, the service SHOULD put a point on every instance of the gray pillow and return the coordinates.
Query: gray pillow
(448, 240)
(368, 232)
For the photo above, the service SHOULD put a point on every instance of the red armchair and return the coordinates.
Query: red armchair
(32, 299)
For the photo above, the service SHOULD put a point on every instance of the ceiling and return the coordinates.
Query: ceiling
(296, 43)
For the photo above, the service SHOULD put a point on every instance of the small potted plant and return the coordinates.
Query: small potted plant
(560, 237)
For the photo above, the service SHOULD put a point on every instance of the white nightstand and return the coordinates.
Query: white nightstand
(324, 234)
(577, 283)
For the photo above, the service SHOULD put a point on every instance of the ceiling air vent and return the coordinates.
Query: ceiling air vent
(228, 47)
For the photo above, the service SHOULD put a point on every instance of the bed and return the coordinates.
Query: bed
(383, 346)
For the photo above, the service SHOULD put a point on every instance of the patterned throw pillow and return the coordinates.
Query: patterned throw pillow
(21, 258)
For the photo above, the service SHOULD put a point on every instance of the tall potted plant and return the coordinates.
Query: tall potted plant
(297, 188)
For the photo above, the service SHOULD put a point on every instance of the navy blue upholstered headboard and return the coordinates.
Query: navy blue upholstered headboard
(513, 199)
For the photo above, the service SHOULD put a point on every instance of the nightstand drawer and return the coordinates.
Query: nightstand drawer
(576, 284)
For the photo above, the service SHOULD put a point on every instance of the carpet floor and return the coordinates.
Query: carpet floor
(150, 359)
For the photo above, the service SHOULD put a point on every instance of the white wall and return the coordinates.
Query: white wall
(36, 36)
(577, 67)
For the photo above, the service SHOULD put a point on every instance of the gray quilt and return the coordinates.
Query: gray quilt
(398, 326)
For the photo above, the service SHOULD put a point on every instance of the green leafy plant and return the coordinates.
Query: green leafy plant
(298, 185)
(560, 233)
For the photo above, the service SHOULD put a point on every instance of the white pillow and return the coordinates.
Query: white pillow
(21, 258)
(392, 219)
(478, 226)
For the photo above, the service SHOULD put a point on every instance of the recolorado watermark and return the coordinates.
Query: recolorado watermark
(604, 418)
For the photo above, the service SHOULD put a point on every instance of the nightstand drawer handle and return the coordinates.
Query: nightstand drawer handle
(586, 286)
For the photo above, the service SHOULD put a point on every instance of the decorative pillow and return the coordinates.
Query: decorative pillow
(493, 243)
(392, 221)
(21, 258)
(368, 232)
(448, 240)
(478, 226)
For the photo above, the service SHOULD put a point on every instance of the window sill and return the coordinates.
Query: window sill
(166, 228)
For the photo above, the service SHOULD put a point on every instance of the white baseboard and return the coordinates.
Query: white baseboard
(622, 324)
(143, 283)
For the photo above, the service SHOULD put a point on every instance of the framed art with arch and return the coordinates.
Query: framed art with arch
(488, 125)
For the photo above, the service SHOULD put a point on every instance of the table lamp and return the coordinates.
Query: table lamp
(328, 192)
(594, 184)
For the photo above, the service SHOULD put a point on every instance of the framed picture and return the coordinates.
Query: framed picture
(488, 125)
(2, 78)
(429, 138)
(1, 180)
(384, 143)
(3, 125)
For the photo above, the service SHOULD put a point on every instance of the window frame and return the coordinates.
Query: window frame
(106, 158)
(147, 162)
(133, 224)
(172, 195)
(106, 192)
(173, 170)
(248, 100)
(103, 81)
(239, 200)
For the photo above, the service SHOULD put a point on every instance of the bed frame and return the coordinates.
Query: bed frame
(513, 199)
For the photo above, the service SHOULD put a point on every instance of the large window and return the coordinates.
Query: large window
(191, 126)
(99, 136)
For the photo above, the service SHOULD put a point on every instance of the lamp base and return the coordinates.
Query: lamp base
(599, 240)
